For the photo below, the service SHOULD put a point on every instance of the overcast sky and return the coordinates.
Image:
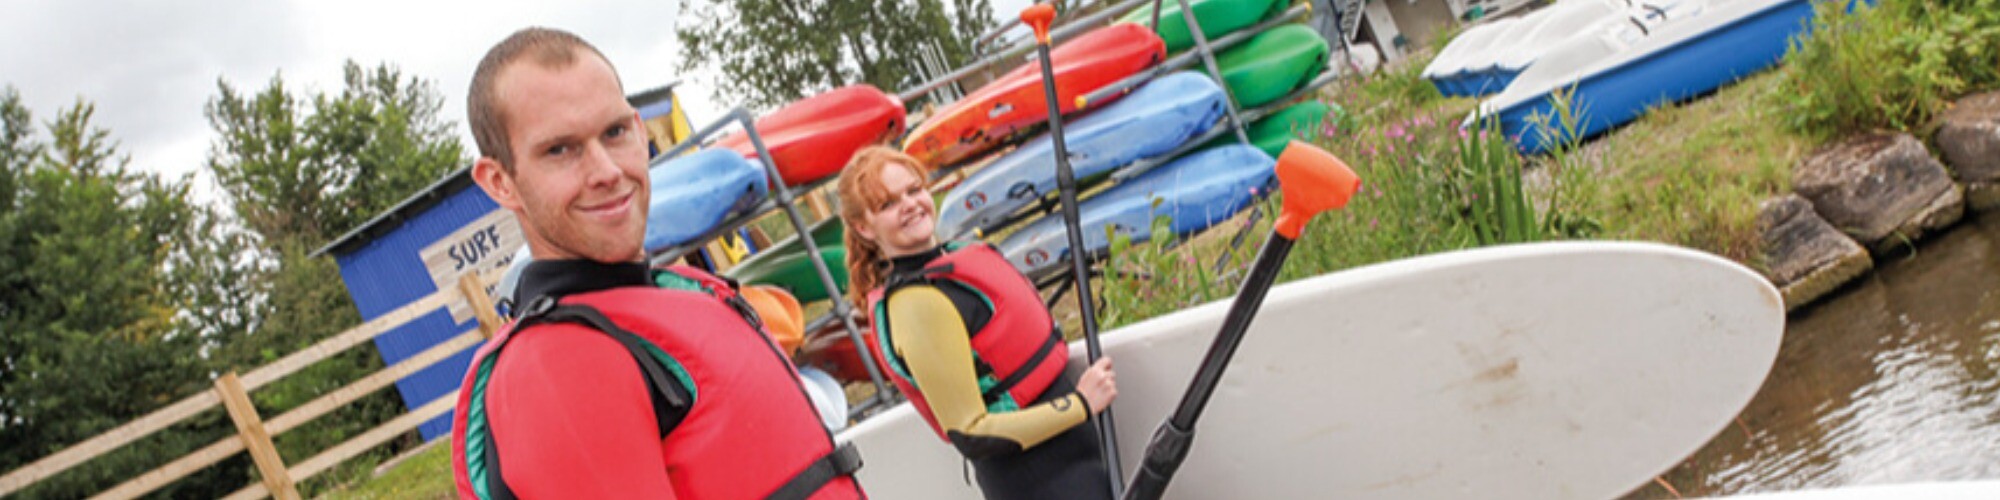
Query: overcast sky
(150, 66)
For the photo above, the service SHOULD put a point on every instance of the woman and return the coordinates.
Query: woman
(968, 340)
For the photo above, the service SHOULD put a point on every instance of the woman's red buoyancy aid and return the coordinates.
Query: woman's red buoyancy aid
(751, 429)
(1020, 343)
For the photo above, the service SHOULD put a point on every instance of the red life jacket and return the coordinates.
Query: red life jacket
(738, 423)
(1019, 352)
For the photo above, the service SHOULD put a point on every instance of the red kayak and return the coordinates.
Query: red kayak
(1016, 101)
(813, 137)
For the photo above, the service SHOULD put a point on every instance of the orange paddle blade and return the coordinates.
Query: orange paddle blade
(1038, 17)
(1313, 181)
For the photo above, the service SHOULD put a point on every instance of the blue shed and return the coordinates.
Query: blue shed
(415, 249)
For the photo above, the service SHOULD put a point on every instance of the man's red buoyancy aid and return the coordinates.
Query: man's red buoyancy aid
(1019, 352)
(748, 429)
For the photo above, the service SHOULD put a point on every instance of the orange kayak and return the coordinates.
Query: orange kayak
(813, 137)
(1016, 101)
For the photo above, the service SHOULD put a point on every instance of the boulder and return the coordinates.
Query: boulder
(1970, 138)
(1882, 188)
(1803, 255)
(1970, 142)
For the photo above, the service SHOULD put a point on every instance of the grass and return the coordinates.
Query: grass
(426, 474)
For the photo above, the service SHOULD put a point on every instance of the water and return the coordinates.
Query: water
(1891, 380)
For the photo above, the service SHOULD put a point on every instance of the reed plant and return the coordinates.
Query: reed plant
(1892, 65)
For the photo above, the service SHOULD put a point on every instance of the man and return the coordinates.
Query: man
(613, 382)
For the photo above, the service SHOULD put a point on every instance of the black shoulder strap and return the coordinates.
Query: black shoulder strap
(844, 460)
(671, 400)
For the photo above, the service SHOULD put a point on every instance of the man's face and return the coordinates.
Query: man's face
(579, 181)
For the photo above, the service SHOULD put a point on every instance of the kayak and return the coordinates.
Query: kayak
(1272, 64)
(781, 260)
(1014, 102)
(793, 272)
(1273, 132)
(1216, 18)
(1662, 57)
(1153, 120)
(1576, 370)
(825, 233)
(695, 192)
(1193, 192)
(812, 138)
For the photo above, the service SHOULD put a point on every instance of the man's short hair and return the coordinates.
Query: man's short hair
(548, 48)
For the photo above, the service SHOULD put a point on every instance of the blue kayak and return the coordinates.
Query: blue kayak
(694, 193)
(1153, 120)
(1194, 193)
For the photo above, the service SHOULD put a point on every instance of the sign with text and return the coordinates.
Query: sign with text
(486, 246)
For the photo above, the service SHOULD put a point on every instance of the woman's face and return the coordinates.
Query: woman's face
(902, 224)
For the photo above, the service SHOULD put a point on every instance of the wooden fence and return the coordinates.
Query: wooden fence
(254, 433)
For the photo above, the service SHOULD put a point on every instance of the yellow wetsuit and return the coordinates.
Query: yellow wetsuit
(1045, 450)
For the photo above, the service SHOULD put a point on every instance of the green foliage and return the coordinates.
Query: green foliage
(303, 169)
(1892, 66)
(774, 51)
(119, 296)
(88, 331)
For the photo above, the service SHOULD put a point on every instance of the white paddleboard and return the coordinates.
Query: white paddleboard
(1547, 371)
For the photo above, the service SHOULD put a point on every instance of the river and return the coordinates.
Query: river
(1890, 380)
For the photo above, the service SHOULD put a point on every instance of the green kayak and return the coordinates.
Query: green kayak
(826, 233)
(1272, 64)
(1216, 17)
(1297, 121)
(793, 272)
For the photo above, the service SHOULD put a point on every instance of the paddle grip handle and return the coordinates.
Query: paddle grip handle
(1313, 181)
(1164, 455)
(1039, 17)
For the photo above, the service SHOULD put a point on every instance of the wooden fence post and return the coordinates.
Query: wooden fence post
(481, 303)
(251, 428)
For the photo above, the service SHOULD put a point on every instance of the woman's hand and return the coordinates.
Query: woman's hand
(1099, 385)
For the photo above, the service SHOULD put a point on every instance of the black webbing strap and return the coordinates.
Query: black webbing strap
(667, 392)
(670, 399)
(844, 460)
(1021, 373)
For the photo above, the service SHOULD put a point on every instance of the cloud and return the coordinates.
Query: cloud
(151, 66)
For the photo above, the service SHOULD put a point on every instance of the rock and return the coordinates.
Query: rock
(1884, 189)
(1804, 256)
(1970, 138)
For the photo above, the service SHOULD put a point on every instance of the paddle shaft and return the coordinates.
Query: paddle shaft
(1079, 264)
(1170, 444)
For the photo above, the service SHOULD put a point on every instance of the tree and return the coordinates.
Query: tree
(301, 170)
(87, 328)
(774, 51)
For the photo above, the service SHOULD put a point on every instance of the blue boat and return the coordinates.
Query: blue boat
(1690, 49)
(1194, 193)
(694, 193)
(1153, 120)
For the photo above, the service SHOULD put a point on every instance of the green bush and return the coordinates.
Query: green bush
(1891, 66)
